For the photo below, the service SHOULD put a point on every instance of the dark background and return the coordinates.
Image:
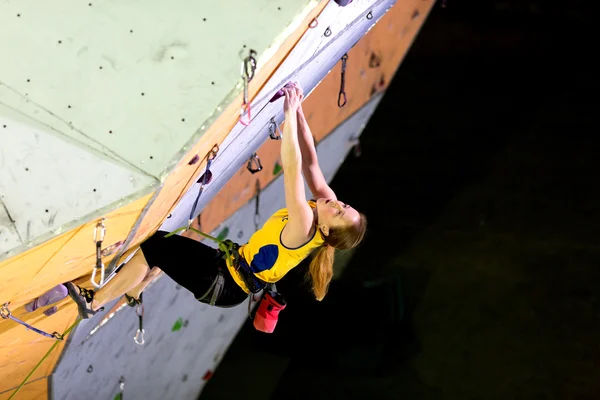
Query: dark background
(479, 278)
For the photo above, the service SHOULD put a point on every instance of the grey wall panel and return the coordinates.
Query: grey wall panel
(170, 365)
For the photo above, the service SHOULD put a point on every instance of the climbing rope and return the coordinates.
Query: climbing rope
(6, 314)
(342, 94)
(69, 329)
(212, 154)
(248, 71)
(99, 233)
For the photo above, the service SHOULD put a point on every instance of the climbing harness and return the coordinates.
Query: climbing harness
(342, 94)
(274, 131)
(212, 154)
(65, 333)
(248, 71)
(254, 165)
(257, 206)
(99, 233)
(6, 314)
(229, 251)
(139, 310)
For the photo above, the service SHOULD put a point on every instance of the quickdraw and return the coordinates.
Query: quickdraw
(254, 165)
(6, 314)
(274, 131)
(342, 94)
(212, 154)
(139, 310)
(99, 233)
(248, 71)
(121, 393)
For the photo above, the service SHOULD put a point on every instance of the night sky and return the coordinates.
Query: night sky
(480, 275)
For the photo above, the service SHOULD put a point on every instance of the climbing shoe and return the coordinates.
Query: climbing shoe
(83, 298)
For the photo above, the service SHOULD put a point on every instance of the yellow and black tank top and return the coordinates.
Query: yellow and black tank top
(267, 257)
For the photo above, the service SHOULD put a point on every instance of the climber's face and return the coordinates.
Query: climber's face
(335, 214)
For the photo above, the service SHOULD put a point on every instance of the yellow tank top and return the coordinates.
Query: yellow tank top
(267, 257)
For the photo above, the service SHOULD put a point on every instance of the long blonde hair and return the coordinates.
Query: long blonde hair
(321, 267)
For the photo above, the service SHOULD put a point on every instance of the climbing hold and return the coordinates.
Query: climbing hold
(208, 176)
(343, 3)
(223, 234)
(178, 324)
(277, 169)
(194, 160)
(90, 369)
(280, 93)
(207, 375)
(374, 60)
(53, 295)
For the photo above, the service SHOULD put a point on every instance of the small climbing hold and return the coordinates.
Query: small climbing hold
(194, 160)
(90, 369)
(207, 375)
(208, 176)
(343, 3)
(277, 169)
(374, 60)
(223, 234)
(178, 324)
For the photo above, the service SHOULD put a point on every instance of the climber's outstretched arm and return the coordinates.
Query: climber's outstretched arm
(310, 162)
(300, 215)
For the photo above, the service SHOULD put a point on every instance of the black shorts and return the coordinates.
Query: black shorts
(192, 265)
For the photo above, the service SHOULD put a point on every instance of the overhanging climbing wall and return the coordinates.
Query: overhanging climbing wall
(185, 339)
(70, 254)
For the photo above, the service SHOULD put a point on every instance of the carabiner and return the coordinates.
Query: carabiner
(254, 160)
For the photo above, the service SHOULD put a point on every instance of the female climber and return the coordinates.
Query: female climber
(287, 237)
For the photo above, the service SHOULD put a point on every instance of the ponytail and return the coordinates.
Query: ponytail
(321, 267)
(321, 270)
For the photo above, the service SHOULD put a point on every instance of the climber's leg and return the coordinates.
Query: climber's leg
(137, 291)
(130, 276)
